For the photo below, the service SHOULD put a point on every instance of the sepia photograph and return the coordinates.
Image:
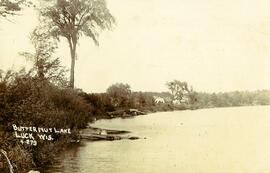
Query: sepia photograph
(134, 86)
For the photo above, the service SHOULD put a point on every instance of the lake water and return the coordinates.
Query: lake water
(221, 140)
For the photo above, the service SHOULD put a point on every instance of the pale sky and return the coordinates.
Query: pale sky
(214, 45)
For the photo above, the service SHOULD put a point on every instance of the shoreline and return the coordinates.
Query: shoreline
(114, 132)
(110, 135)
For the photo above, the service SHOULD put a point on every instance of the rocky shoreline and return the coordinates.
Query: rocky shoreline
(97, 134)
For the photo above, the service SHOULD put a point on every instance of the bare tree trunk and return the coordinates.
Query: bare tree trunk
(71, 82)
(72, 47)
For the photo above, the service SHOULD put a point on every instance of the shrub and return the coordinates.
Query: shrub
(29, 101)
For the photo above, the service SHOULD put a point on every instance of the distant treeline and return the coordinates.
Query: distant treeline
(119, 96)
(235, 98)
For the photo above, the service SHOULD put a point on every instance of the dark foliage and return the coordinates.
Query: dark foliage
(28, 101)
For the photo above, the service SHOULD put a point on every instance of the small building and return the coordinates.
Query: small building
(159, 99)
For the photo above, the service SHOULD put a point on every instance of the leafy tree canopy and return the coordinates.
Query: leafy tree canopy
(73, 18)
(178, 89)
(119, 93)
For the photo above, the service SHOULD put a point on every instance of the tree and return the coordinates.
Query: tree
(120, 94)
(193, 97)
(178, 90)
(141, 99)
(45, 66)
(73, 18)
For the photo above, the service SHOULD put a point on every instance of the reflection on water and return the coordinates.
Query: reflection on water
(224, 140)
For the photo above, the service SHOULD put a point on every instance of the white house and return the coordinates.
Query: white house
(159, 99)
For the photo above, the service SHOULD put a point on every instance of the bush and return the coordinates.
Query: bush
(28, 101)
